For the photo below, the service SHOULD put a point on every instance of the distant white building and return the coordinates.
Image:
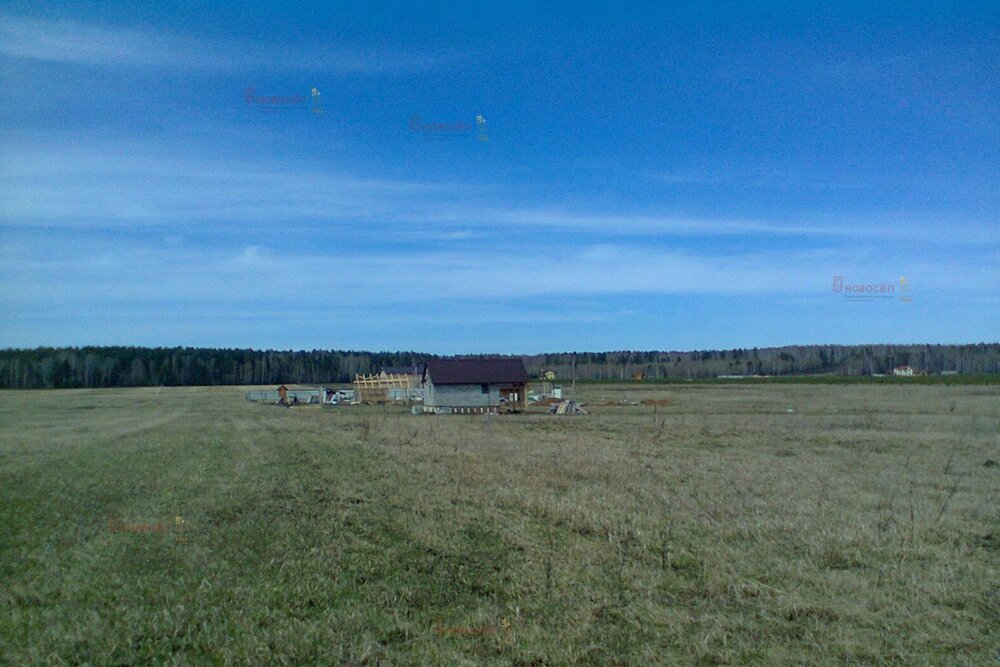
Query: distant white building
(903, 370)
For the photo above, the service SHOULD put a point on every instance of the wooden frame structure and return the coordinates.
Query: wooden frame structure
(375, 388)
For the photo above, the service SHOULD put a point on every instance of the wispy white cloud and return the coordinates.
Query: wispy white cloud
(144, 185)
(59, 289)
(54, 272)
(618, 223)
(896, 228)
(70, 41)
(122, 185)
(757, 178)
(75, 42)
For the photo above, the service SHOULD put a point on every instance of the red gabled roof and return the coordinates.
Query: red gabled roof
(476, 370)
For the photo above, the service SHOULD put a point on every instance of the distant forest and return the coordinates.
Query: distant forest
(137, 366)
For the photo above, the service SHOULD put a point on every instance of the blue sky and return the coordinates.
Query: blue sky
(644, 178)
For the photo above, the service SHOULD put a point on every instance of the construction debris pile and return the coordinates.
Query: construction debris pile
(567, 407)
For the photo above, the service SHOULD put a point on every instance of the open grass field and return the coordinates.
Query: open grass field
(730, 524)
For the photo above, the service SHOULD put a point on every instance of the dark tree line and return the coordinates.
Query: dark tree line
(139, 366)
(790, 360)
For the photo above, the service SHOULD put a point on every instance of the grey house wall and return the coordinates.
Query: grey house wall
(462, 395)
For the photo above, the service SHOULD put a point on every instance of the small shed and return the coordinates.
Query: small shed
(474, 385)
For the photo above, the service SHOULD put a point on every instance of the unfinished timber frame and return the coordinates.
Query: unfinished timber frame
(375, 388)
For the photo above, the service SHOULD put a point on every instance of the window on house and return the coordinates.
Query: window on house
(486, 388)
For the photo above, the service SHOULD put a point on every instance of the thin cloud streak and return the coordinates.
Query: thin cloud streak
(114, 274)
(50, 186)
(74, 42)
(41, 187)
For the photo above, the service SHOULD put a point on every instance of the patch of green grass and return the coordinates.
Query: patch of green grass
(741, 524)
(822, 379)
